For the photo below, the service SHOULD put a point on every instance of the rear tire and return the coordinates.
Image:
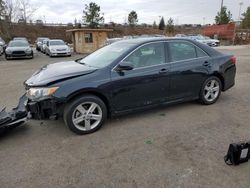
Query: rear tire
(32, 56)
(210, 91)
(85, 115)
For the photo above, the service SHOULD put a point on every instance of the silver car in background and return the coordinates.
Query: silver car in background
(57, 47)
(18, 49)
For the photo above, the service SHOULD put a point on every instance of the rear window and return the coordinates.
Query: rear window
(200, 52)
(183, 51)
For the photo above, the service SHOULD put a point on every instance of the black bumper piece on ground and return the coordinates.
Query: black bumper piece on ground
(16, 117)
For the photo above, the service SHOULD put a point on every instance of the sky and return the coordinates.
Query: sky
(182, 11)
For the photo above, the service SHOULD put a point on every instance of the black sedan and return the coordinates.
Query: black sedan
(18, 49)
(127, 76)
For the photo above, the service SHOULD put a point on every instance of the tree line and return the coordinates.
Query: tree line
(14, 10)
(92, 18)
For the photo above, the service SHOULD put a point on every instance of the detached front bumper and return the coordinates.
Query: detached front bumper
(15, 117)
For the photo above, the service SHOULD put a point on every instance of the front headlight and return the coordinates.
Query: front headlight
(28, 50)
(40, 93)
(52, 50)
(8, 51)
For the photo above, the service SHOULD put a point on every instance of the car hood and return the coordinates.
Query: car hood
(59, 47)
(58, 71)
(17, 48)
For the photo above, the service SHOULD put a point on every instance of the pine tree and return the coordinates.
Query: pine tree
(91, 15)
(223, 17)
(162, 24)
(246, 19)
(154, 25)
(170, 26)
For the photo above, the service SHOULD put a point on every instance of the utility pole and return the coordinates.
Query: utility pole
(221, 8)
(222, 4)
(241, 3)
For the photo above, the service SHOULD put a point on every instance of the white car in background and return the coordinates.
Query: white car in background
(44, 45)
(205, 40)
(214, 42)
(57, 47)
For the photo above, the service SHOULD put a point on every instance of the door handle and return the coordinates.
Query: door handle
(163, 71)
(206, 64)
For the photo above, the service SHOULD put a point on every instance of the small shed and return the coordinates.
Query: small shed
(88, 40)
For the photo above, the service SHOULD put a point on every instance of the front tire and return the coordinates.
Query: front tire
(6, 57)
(85, 115)
(210, 91)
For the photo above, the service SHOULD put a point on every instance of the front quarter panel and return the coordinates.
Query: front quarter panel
(95, 82)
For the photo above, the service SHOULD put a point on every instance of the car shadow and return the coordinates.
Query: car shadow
(63, 131)
(159, 110)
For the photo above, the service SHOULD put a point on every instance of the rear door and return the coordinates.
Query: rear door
(190, 66)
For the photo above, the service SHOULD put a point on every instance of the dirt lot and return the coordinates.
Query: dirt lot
(175, 146)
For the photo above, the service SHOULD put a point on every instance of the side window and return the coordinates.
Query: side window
(88, 37)
(200, 53)
(182, 51)
(148, 55)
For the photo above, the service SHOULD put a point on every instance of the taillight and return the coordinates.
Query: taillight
(233, 59)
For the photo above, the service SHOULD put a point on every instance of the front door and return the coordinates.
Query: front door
(147, 83)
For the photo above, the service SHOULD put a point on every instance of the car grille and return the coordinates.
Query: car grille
(18, 53)
(60, 50)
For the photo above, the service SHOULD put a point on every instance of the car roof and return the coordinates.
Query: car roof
(21, 38)
(141, 41)
(55, 40)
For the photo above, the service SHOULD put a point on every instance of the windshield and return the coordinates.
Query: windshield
(19, 38)
(18, 44)
(200, 37)
(106, 55)
(56, 42)
(41, 39)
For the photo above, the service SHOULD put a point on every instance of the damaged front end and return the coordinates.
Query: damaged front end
(15, 117)
(45, 109)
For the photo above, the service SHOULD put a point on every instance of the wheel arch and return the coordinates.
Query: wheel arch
(218, 75)
(90, 92)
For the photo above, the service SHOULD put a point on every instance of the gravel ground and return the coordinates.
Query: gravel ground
(175, 146)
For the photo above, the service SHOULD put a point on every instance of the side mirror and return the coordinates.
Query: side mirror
(124, 66)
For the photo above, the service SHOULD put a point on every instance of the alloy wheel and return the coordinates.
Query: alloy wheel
(212, 90)
(87, 116)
